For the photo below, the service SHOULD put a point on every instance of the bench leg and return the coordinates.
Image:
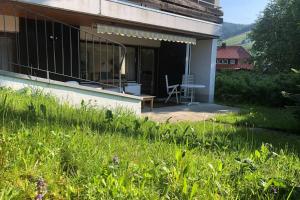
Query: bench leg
(151, 104)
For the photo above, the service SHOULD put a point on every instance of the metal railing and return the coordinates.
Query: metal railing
(203, 2)
(38, 45)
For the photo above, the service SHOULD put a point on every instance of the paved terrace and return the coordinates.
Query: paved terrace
(199, 112)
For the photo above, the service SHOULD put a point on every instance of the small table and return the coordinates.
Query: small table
(147, 98)
(193, 87)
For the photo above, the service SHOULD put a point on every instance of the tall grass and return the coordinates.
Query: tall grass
(54, 151)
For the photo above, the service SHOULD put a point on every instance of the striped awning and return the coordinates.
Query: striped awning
(106, 29)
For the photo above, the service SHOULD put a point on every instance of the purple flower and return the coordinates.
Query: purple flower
(41, 188)
(39, 197)
(40, 185)
(116, 160)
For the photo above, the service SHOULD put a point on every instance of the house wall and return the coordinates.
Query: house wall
(203, 66)
(84, 6)
(134, 14)
(203, 9)
(72, 94)
(138, 14)
(9, 24)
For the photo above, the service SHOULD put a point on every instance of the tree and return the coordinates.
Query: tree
(276, 36)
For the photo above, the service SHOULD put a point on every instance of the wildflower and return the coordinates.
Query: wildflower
(116, 160)
(39, 197)
(41, 188)
(40, 184)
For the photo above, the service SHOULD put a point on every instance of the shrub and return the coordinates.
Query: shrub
(255, 88)
(295, 98)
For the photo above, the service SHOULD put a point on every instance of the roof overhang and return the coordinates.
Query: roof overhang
(116, 13)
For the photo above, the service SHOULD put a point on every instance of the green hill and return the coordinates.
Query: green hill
(230, 29)
(240, 40)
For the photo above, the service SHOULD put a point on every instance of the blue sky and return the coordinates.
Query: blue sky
(242, 11)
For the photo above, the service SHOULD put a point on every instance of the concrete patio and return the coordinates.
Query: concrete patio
(198, 112)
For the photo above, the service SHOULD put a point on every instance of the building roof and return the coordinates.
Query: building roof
(232, 52)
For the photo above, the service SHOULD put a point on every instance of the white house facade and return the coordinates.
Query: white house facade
(108, 51)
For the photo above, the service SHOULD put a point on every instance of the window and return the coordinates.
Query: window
(7, 52)
(232, 61)
(131, 70)
(99, 64)
(223, 61)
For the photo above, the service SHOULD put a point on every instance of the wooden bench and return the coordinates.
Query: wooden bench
(147, 98)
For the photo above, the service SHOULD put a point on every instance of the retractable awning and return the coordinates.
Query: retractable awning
(144, 34)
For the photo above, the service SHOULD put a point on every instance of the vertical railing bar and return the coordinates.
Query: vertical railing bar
(46, 43)
(7, 41)
(2, 60)
(27, 43)
(16, 38)
(37, 44)
(86, 55)
(113, 64)
(53, 44)
(100, 60)
(120, 68)
(62, 49)
(106, 62)
(71, 52)
(94, 70)
(19, 46)
(79, 58)
(27, 48)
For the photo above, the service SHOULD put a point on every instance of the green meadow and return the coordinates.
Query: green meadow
(54, 151)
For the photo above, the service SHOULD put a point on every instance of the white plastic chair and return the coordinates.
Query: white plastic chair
(172, 90)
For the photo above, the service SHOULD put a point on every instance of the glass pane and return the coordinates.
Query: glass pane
(147, 70)
(102, 68)
(7, 52)
(130, 64)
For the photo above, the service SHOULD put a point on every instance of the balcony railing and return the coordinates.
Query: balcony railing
(210, 3)
(199, 9)
(34, 44)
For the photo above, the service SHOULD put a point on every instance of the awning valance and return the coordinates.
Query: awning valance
(144, 34)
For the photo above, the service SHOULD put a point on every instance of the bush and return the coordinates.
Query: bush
(255, 88)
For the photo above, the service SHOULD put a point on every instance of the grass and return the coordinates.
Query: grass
(280, 119)
(62, 152)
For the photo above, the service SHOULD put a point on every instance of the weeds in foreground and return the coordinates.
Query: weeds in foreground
(52, 151)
